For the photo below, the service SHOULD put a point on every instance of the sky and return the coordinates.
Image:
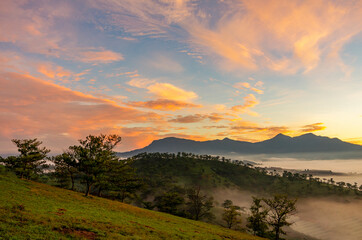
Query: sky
(201, 70)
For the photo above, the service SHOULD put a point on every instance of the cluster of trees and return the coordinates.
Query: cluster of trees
(267, 216)
(92, 164)
(184, 155)
(31, 161)
(336, 186)
(96, 165)
(184, 202)
(270, 215)
(162, 169)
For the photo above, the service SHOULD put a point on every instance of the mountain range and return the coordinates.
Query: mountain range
(280, 144)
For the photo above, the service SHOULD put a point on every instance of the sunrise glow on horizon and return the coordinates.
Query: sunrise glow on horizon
(201, 70)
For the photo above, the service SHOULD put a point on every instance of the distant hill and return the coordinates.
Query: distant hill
(307, 143)
(163, 170)
(31, 210)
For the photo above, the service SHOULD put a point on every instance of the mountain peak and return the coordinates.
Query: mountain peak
(281, 136)
(308, 135)
(227, 139)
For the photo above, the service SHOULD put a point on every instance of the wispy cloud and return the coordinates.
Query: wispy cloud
(214, 117)
(250, 101)
(171, 92)
(140, 82)
(163, 104)
(53, 71)
(313, 127)
(250, 32)
(246, 85)
(99, 56)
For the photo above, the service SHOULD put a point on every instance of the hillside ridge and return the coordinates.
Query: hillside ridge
(31, 210)
(280, 143)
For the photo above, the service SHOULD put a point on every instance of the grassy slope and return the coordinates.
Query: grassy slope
(54, 213)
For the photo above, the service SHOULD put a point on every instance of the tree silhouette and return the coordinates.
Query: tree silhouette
(199, 205)
(93, 156)
(231, 214)
(169, 202)
(66, 167)
(280, 208)
(257, 220)
(31, 161)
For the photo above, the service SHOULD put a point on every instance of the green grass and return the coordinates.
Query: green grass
(31, 210)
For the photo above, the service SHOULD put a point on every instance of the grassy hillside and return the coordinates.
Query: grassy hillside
(31, 210)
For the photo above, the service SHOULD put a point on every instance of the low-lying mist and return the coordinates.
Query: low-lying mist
(331, 218)
(346, 170)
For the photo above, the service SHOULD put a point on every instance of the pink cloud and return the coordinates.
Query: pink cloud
(53, 72)
(31, 107)
(99, 56)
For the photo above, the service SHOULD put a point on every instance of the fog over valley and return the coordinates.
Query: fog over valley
(314, 218)
(347, 170)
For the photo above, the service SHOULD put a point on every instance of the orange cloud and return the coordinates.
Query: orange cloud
(220, 107)
(140, 82)
(188, 119)
(242, 85)
(139, 137)
(171, 92)
(354, 140)
(163, 105)
(215, 117)
(186, 136)
(216, 126)
(53, 72)
(31, 107)
(246, 85)
(249, 102)
(249, 130)
(257, 90)
(313, 127)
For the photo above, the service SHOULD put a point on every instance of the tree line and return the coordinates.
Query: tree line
(92, 163)
(94, 167)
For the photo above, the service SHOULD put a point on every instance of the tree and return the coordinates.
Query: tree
(66, 167)
(169, 202)
(257, 220)
(231, 214)
(31, 161)
(280, 208)
(199, 205)
(93, 156)
(122, 179)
